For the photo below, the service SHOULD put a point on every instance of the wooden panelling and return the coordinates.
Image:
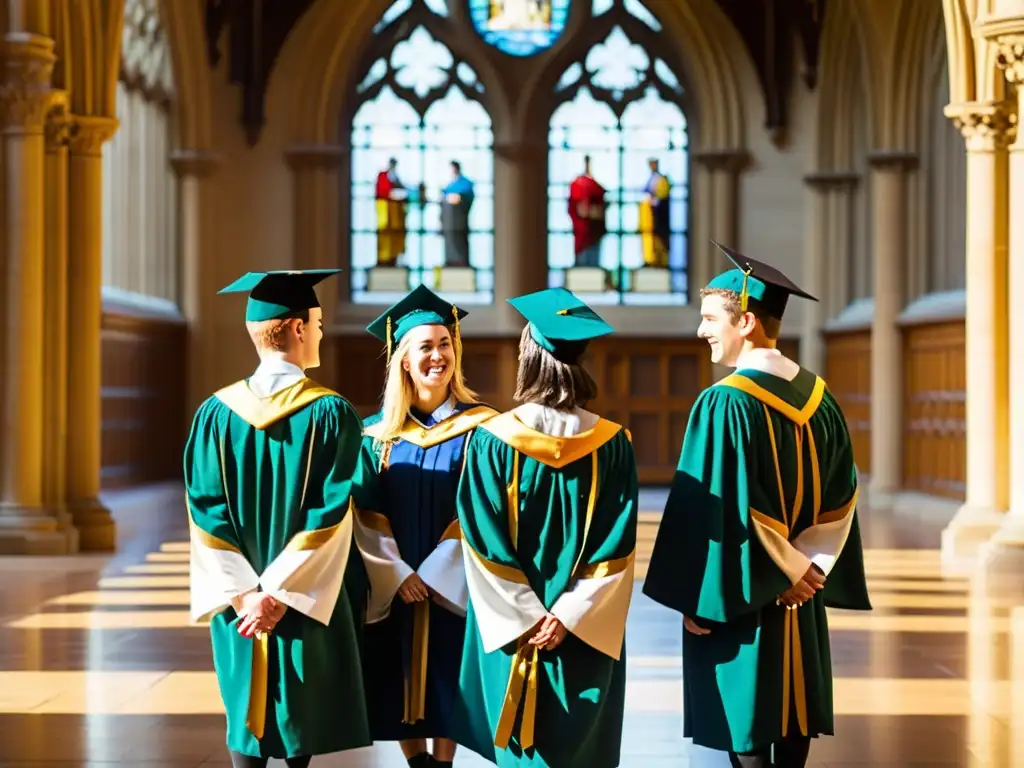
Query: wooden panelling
(934, 444)
(143, 399)
(648, 385)
(848, 373)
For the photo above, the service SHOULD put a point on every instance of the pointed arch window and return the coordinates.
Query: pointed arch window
(618, 164)
(421, 186)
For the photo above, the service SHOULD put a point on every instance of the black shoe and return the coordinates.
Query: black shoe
(422, 760)
(435, 763)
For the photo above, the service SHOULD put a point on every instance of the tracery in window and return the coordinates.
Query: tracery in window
(618, 168)
(422, 192)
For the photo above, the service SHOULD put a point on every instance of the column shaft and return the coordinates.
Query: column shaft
(985, 127)
(315, 201)
(520, 246)
(25, 525)
(888, 176)
(55, 327)
(85, 312)
(198, 211)
(816, 257)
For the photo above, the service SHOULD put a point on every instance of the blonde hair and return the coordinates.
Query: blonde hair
(272, 335)
(399, 392)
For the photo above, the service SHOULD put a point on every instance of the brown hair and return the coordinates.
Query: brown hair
(272, 334)
(771, 326)
(544, 380)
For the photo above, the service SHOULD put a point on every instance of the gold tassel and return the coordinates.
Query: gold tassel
(388, 337)
(458, 334)
(744, 296)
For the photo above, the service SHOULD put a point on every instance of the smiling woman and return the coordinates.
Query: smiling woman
(411, 461)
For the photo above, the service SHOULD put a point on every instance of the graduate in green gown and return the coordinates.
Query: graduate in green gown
(759, 534)
(408, 531)
(548, 507)
(268, 477)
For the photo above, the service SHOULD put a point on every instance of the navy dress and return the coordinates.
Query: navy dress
(405, 498)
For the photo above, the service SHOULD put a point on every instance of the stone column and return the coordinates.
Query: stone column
(826, 226)
(55, 318)
(839, 242)
(314, 228)
(889, 200)
(985, 127)
(1003, 556)
(520, 243)
(26, 526)
(197, 216)
(85, 312)
(723, 171)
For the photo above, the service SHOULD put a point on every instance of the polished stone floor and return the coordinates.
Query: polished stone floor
(100, 667)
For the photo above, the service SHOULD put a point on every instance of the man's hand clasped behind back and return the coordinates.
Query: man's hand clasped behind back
(811, 583)
(259, 614)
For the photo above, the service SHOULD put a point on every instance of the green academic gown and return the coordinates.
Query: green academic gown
(766, 485)
(268, 482)
(549, 528)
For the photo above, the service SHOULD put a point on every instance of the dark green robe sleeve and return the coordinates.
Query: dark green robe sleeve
(208, 506)
(707, 561)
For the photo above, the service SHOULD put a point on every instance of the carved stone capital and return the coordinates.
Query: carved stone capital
(986, 126)
(195, 163)
(731, 160)
(89, 133)
(25, 88)
(825, 181)
(58, 122)
(1011, 58)
(892, 160)
(323, 156)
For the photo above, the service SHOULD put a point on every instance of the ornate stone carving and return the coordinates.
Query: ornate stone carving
(25, 91)
(89, 134)
(325, 156)
(986, 126)
(145, 55)
(58, 122)
(1011, 58)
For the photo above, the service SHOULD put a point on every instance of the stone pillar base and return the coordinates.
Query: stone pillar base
(34, 532)
(1001, 561)
(97, 530)
(964, 537)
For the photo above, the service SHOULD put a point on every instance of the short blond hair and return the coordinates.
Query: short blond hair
(269, 335)
(771, 326)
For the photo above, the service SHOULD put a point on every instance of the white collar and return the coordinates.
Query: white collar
(555, 423)
(272, 375)
(769, 361)
(442, 412)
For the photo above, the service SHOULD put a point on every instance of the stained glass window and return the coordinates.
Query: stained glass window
(519, 27)
(422, 191)
(618, 167)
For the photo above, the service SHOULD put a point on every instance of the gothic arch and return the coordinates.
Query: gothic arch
(844, 68)
(316, 68)
(973, 74)
(191, 74)
(919, 27)
(706, 52)
(94, 30)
